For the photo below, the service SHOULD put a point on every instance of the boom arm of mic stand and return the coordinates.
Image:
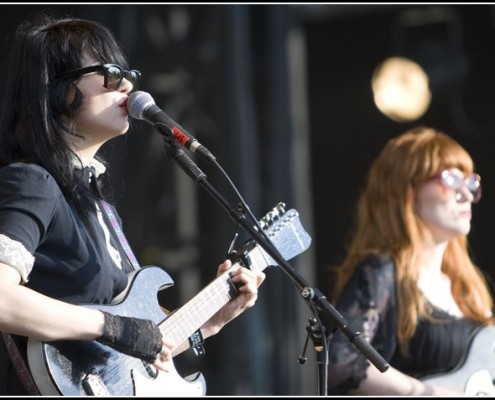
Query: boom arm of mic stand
(311, 295)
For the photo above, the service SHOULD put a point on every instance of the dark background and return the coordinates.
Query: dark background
(281, 95)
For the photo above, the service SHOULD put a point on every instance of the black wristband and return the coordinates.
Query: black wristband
(197, 343)
(133, 336)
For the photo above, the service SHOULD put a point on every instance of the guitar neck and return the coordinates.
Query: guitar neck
(182, 323)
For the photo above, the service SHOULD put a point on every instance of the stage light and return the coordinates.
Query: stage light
(401, 89)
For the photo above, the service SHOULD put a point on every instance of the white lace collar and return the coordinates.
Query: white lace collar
(98, 166)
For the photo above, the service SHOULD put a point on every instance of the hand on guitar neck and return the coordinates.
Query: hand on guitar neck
(247, 281)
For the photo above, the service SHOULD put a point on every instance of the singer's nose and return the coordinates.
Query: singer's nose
(126, 86)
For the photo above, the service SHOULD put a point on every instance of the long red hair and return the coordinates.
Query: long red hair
(386, 223)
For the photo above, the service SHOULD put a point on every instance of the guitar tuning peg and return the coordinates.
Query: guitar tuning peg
(281, 208)
(266, 220)
(272, 215)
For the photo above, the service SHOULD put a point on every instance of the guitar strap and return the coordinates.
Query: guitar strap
(20, 365)
(110, 217)
(120, 235)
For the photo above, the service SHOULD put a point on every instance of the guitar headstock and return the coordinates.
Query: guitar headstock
(271, 217)
(286, 233)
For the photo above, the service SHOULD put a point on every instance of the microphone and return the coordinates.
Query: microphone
(141, 105)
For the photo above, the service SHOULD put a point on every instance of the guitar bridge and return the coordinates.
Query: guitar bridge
(93, 385)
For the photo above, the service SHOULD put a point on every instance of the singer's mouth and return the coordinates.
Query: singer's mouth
(124, 105)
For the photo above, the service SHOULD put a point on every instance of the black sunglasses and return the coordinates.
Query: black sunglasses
(113, 75)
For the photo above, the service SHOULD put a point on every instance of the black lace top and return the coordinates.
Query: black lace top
(369, 304)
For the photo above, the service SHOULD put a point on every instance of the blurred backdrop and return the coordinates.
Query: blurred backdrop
(282, 95)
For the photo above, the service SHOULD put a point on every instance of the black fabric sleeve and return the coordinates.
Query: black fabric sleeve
(28, 198)
(368, 303)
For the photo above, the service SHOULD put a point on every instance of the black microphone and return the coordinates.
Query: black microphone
(141, 105)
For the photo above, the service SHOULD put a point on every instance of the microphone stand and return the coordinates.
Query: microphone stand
(331, 319)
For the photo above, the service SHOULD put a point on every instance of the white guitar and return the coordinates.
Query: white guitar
(87, 368)
(475, 376)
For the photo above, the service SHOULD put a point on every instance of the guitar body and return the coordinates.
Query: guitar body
(84, 368)
(89, 368)
(475, 376)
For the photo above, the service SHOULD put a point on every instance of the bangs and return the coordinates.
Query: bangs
(105, 51)
(440, 152)
(452, 155)
(74, 38)
(457, 158)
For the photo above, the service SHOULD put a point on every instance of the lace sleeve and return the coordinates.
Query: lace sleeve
(368, 304)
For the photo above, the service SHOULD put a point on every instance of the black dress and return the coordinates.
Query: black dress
(71, 263)
(369, 304)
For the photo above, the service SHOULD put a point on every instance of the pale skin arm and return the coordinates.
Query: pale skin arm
(394, 383)
(28, 313)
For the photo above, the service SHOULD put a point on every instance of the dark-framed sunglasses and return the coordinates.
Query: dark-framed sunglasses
(455, 182)
(113, 75)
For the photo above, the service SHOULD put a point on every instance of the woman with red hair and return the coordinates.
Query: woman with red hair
(408, 282)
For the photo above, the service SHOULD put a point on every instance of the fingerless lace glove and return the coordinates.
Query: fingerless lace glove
(136, 337)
